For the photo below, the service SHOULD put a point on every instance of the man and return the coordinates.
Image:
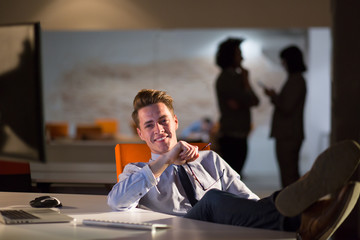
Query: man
(235, 99)
(218, 195)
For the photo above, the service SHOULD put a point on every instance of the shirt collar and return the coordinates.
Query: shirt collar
(154, 156)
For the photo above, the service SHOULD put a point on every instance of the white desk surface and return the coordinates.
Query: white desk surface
(94, 206)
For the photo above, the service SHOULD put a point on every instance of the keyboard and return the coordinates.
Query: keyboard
(17, 214)
(128, 225)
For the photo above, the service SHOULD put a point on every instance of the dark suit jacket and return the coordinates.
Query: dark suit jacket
(230, 86)
(288, 117)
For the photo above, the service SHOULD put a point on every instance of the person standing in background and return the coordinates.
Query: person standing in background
(287, 123)
(235, 98)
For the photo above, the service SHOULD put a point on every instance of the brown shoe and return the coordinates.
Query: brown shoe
(331, 171)
(322, 218)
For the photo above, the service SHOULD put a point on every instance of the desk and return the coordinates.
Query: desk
(94, 206)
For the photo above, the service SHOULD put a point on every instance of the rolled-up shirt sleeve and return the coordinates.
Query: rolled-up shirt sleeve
(134, 183)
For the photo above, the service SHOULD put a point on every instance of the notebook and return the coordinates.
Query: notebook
(130, 225)
(32, 215)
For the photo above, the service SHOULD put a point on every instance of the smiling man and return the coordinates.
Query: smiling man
(157, 127)
(180, 180)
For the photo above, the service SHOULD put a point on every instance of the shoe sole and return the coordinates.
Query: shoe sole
(348, 207)
(331, 170)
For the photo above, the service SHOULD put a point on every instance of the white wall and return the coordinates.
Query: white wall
(88, 75)
(318, 107)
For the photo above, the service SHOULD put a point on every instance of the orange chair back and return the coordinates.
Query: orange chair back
(126, 153)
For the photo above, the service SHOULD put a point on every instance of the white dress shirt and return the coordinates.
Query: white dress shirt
(138, 186)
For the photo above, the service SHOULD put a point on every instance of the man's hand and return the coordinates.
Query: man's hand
(245, 74)
(180, 154)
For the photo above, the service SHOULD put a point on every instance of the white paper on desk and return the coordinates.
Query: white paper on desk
(133, 215)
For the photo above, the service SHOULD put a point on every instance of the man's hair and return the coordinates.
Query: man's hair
(146, 97)
(226, 52)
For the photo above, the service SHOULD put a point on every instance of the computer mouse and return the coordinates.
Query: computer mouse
(45, 202)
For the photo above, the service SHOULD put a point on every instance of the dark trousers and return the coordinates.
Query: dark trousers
(234, 151)
(287, 154)
(226, 208)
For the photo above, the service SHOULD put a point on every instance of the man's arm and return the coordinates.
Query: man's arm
(135, 181)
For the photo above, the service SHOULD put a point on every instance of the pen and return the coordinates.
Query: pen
(206, 146)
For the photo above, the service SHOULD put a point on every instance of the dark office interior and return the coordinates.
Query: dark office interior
(340, 16)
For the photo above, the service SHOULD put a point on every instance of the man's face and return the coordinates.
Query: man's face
(157, 127)
(238, 58)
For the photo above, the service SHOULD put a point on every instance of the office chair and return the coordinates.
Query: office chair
(15, 176)
(137, 152)
(108, 126)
